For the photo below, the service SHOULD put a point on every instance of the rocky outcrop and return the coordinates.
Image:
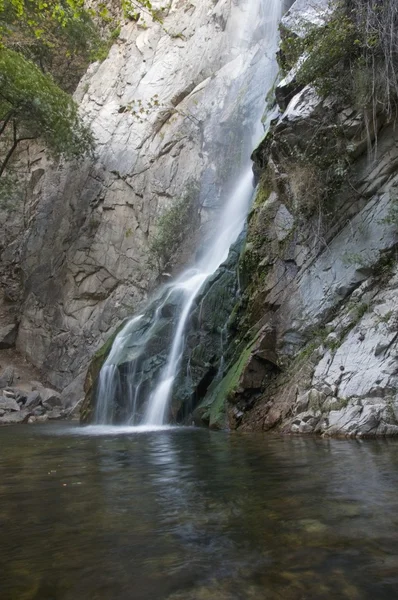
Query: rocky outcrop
(321, 273)
(74, 260)
(25, 400)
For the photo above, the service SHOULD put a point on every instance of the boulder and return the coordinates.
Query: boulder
(9, 404)
(33, 400)
(304, 14)
(38, 419)
(50, 398)
(7, 377)
(20, 396)
(56, 413)
(15, 417)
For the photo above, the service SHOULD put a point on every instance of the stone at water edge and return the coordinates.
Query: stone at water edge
(14, 417)
(50, 399)
(55, 414)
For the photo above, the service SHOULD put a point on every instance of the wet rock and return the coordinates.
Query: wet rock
(312, 526)
(306, 427)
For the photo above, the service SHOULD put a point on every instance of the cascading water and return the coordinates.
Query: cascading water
(233, 215)
(136, 340)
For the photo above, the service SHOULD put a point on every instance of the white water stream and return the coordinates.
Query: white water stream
(226, 231)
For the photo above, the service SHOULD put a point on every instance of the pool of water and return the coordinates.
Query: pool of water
(187, 514)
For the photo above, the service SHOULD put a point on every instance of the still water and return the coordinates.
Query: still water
(185, 514)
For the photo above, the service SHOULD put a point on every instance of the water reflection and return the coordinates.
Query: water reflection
(191, 515)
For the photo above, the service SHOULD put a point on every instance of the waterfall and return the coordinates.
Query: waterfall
(133, 343)
(233, 216)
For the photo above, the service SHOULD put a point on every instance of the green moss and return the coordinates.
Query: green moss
(224, 391)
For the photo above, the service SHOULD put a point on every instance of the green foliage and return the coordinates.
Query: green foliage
(323, 50)
(132, 9)
(32, 105)
(46, 45)
(139, 109)
(60, 37)
(173, 226)
(354, 56)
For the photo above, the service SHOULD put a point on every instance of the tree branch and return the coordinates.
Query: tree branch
(16, 141)
(6, 120)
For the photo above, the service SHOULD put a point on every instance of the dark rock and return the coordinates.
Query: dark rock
(33, 399)
(7, 377)
(50, 398)
(8, 335)
(20, 396)
(38, 411)
(286, 90)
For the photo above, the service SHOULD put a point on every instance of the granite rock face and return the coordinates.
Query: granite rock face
(74, 259)
(321, 276)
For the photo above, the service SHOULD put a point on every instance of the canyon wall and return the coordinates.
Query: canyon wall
(315, 339)
(75, 252)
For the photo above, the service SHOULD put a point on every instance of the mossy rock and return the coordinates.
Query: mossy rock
(213, 410)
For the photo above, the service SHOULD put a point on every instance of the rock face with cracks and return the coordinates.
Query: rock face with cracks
(74, 259)
(320, 268)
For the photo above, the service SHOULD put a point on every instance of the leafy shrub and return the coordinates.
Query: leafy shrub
(60, 36)
(32, 105)
(354, 55)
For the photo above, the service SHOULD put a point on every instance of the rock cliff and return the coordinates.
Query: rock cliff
(316, 344)
(311, 341)
(74, 259)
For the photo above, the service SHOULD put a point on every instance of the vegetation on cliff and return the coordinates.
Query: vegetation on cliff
(45, 47)
(173, 226)
(354, 56)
